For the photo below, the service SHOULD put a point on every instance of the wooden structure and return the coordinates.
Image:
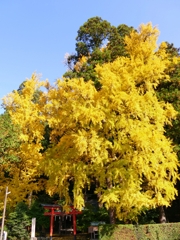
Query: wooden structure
(93, 230)
(56, 210)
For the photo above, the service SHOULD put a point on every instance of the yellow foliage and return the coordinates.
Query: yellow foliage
(24, 174)
(114, 136)
(80, 63)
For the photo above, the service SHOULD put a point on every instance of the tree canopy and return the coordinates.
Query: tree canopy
(8, 139)
(19, 163)
(98, 42)
(9, 147)
(169, 91)
(113, 136)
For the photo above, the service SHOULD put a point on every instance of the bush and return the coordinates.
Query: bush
(168, 231)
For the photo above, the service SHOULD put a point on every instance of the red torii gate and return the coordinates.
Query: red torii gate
(56, 210)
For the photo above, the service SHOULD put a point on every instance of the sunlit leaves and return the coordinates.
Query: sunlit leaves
(114, 136)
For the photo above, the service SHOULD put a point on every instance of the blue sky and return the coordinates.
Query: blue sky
(36, 34)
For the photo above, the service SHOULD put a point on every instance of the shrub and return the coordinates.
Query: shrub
(168, 231)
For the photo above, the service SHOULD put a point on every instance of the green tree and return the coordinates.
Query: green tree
(9, 141)
(98, 42)
(18, 222)
(9, 148)
(169, 91)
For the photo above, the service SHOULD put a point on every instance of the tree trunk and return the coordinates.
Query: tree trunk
(30, 199)
(162, 215)
(100, 205)
(112, 215)
(112, 211)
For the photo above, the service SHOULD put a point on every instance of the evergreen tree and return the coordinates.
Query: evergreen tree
(97, 42)
(169, 91)
(18, 223)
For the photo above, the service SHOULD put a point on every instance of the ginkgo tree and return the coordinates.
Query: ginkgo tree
(19, 158)
(113, 136)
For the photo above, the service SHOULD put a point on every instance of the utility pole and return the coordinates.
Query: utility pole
(4, 212)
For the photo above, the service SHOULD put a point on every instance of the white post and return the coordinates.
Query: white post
(4, 212)
(5, 235)
(33, 228)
